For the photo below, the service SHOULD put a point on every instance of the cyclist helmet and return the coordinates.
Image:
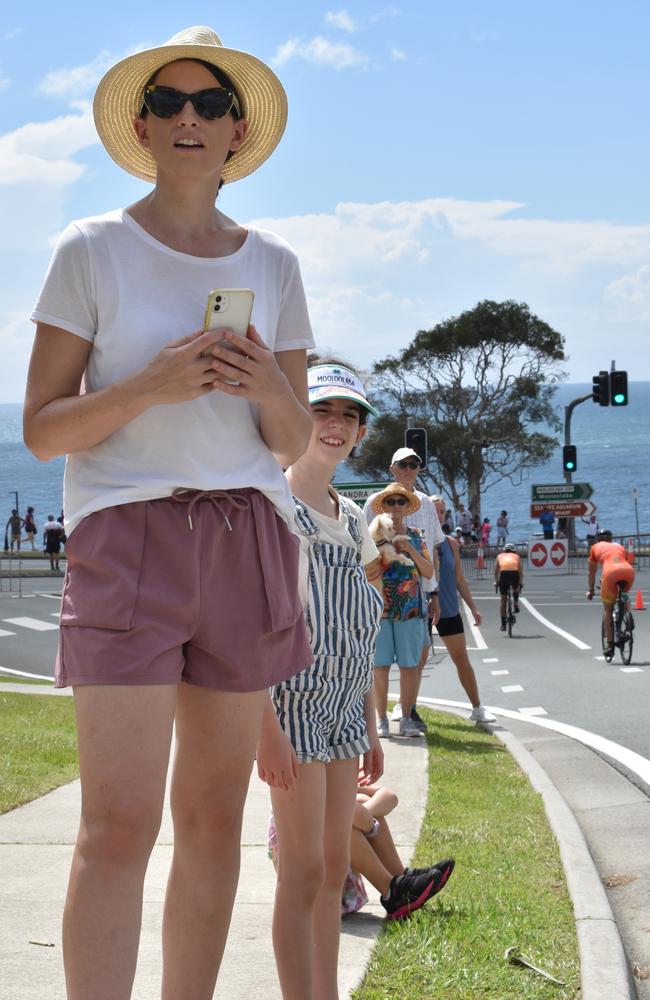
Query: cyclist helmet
(510, 547)
(604, 535)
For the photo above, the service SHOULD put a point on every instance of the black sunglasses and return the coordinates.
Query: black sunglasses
(408, 463)
(215, 102)
(396, 501)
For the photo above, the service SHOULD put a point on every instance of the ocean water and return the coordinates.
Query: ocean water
(613, 455)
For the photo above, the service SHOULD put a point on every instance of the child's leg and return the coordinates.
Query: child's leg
(299, 820)
(341, 776)
(364, 860)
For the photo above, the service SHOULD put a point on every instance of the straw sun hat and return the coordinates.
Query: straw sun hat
(119, 99)
(400, 491)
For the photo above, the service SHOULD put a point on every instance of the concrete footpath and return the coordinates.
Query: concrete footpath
(584, 797)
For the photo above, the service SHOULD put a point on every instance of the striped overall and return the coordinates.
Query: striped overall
(321, 709)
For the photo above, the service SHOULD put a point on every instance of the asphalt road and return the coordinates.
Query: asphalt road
(538, 673)
(543, 674)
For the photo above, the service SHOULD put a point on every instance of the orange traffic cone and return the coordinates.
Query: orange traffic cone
(638, 604)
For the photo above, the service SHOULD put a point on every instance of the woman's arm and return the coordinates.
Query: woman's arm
(424, 566)
(58, 420)
(462, 584)
(374, 575)
(277, 383)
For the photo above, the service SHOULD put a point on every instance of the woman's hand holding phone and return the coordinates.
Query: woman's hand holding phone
(251, 371)
(183, 370)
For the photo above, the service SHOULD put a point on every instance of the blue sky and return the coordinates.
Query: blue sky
(436, 154)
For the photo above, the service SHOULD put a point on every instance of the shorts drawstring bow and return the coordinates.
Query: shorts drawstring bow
(237, 498)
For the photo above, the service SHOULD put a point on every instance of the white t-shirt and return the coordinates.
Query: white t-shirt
(426, 519)
(333, 532)
(113, 284)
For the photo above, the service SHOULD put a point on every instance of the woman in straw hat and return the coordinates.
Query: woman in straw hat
(400, 635)
(181, 566)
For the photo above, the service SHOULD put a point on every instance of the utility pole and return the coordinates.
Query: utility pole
(568, 476)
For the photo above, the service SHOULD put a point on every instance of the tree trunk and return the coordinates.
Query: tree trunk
(474, 476)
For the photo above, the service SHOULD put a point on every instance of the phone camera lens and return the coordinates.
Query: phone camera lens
(218, 298)
(217, 308)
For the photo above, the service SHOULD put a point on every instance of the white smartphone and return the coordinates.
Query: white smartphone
(229, 309)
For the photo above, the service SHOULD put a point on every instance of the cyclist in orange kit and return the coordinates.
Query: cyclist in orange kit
(615, 560)
(508, 572)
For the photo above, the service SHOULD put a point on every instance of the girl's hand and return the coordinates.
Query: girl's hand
(252, 366)
(373, 764)
(277, 763)
(477, 616)
(434, 608)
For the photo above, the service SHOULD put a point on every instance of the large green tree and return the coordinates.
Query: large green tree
(479, 383)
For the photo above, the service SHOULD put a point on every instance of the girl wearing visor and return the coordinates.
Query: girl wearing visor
(180, 602)
(326, 714)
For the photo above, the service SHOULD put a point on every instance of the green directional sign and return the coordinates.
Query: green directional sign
(359, 492)
(560, 492)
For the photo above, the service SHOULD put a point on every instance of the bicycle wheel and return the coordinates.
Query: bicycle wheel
(608, 651)
(626, 637)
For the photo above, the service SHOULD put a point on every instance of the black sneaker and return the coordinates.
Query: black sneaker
(444, 868)
(503, 626)
(418, 721)
(408, 893)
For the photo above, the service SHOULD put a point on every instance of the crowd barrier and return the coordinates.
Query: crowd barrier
(478, 560)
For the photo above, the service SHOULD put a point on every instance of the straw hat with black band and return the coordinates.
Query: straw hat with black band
(118, 102)
(395, 490)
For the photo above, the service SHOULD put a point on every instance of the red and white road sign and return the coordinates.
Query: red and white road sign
(559, 552)
(548, 555)
(538, 555)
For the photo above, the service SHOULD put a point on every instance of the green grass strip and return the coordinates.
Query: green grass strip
(508, 887)
(38, 746)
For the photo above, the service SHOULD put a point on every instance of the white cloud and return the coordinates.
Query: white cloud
(4, 82)
(39, 152)
(376, 273)
(12, 33)
(321, 52)
(397, 54)
(76, 81)
(341, 19)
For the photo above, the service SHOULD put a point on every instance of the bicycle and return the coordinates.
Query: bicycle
(623, 625)
(510, 608)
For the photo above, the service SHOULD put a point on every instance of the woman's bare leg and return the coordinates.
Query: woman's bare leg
(457, 649)
(341, 777)
(216, 737)
(124, 736)
(299, 819)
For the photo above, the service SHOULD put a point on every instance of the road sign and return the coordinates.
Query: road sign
(571, 508)
(547, 555)
(558, 492)
(359, 492)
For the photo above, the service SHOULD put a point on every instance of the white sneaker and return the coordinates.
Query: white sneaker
(382, 728)
(396, 714)
(481, 714)
(408, 728)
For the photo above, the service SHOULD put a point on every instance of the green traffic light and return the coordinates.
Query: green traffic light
(570, 466)
(619, 398)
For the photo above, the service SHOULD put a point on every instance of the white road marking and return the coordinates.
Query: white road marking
(499, 673)
(628, 758)
(52, 597)
(631, 670)
(55, 614)
(554, 628)
(22, 673)
(33, 623)
(534, 710)
(3, 631)
(478, 638)
(511, 688)
(491, 659)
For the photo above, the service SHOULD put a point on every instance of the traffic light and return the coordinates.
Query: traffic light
(569, 458)
(618, 388)
(416, 438)
(600, 388)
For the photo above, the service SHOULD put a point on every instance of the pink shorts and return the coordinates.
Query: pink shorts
(199, 587)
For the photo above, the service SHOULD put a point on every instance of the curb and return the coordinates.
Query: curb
(604, 972)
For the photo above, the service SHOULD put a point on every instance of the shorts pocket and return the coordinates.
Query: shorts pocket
(104, 560)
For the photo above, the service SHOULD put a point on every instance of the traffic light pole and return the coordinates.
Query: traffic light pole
(568, 476)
